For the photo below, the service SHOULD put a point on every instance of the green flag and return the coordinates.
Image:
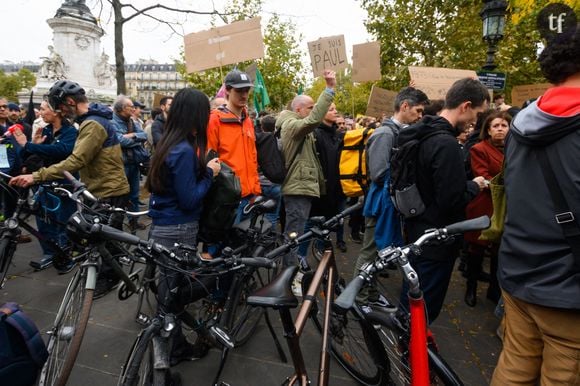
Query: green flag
(260, 90)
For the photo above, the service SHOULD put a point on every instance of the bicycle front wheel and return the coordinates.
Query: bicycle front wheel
(68, 331)
(242, 319)
(354, 341)
(7, 249)
(139, 368)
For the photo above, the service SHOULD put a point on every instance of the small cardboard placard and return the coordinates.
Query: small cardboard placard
(230, 44)
(435, 81)
(157, 99)
(366, 62)
(328, 53)
(381, 101)
(522, 93)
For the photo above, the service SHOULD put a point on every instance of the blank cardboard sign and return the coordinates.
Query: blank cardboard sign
(220, 46)
(366, 62)
(381, 102)
(435, 81)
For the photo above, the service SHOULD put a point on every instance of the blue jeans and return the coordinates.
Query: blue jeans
(273, 192)
(169, 280)
(52, 224)
(133, 177)
(434, 276)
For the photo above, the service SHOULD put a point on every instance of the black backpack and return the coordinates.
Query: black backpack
(22, 350)
(220, 206)
(403, 187)
(270, 158)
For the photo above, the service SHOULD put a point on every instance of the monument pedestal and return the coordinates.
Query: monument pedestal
(76, 55)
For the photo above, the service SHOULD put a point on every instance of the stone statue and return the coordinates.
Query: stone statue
(73, 3)
(52, 67)
(104, 71)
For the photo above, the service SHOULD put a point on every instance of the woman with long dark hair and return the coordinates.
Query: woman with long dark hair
(178, 180)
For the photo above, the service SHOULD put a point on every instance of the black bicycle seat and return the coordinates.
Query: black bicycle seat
(277, 294)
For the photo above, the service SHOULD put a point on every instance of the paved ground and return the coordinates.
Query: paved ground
(466, 336)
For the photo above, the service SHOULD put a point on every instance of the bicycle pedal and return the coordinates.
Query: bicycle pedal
(125, 260)
(143, 319)
(38, 266)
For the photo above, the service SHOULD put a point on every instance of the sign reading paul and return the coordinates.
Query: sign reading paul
(327, 54)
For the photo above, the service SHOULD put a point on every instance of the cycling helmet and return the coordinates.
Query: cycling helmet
(60, 90)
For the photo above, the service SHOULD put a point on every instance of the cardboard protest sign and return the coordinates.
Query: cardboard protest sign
(381, 102)
(157, 99)
(435, 81)
(251, 71)
(327, 54)
(520, 94)
(366, 62)
(220, 46)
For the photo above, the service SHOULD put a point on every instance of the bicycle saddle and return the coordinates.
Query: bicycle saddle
(277, 294)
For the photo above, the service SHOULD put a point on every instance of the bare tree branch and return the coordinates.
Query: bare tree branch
(160, 6)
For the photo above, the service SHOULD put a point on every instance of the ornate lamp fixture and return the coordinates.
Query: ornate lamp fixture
(493, 17)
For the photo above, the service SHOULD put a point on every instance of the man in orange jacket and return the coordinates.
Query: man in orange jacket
(230, 132)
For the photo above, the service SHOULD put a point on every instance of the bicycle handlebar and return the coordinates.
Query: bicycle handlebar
(79, 186)
(469, 225)
(284, 248)
(346, 299)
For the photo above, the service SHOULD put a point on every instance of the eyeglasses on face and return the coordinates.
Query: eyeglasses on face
(3, 107)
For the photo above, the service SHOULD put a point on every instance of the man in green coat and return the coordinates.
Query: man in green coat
(304, 179)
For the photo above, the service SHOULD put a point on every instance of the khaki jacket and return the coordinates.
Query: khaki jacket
(101, 167)
(304, 176)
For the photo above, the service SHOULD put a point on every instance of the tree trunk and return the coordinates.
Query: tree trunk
(119, 56)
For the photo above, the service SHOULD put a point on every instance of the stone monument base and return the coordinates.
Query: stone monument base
(101, 95)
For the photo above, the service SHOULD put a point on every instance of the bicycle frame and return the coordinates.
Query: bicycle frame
(293, 330)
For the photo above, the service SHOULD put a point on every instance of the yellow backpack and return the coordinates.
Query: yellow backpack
(352, 166)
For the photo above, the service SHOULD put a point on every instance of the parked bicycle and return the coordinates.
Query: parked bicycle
(413, 358)
(225, 305)
(148, 362)
(353, 341)
(28, 205)
(67, 332)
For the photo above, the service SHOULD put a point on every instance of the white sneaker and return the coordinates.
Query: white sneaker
(297, 284)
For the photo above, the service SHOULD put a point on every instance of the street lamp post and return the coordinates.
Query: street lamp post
(493, 17)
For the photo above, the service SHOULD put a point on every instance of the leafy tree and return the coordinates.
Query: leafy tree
(437, 33)
(521, 9)
(10, 85)
(350, 98)
(448, 33)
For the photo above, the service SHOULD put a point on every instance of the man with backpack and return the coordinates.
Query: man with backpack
(382, 224)
(442, 185)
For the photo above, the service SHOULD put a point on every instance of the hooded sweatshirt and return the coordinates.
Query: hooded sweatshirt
(441, 180)
(535, 260)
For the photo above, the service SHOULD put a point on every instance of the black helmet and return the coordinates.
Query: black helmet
(60, 90)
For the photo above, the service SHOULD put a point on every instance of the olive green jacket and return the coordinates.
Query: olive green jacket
(101, 167)
(304, 176)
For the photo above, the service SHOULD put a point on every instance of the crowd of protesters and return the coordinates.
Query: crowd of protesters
(468, 141)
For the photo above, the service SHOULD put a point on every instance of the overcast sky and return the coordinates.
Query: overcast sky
(27, 35)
